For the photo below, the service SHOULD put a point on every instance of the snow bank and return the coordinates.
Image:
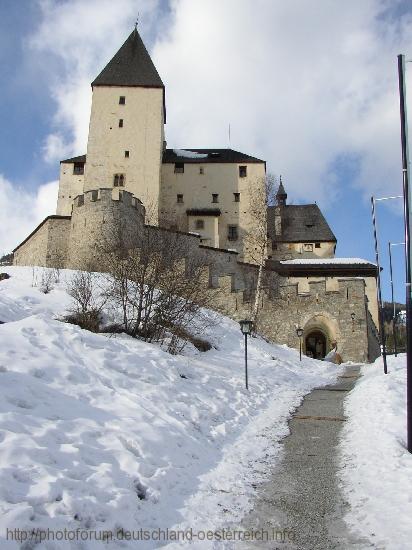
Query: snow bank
(111, 433)
(376, 467)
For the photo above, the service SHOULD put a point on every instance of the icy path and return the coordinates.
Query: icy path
(301, 504)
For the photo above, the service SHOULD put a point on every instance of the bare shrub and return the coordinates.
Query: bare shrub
(159, 287)
(88, 300)
(47, 281)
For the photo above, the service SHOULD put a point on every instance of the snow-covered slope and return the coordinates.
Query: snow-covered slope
(109, 433)
(376, 467)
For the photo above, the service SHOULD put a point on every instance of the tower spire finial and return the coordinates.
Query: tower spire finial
(137, 21)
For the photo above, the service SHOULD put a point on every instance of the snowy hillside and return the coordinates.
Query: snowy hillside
(104, 433)
(376, 467)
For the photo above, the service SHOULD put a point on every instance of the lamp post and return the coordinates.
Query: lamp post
(299, 334)
(407, 206)
(246, 326)
(352, 316)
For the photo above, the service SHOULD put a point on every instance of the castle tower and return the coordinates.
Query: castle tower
(281, 194)
(126, 131)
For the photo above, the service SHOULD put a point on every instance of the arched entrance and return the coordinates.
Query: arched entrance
(316, 344)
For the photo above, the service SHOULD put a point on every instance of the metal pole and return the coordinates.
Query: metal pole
(300, 348)
(408, 250)
(379, 291)
(393, 301)
(247, 385)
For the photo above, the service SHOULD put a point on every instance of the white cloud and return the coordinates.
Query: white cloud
(75, 40)
(302, 84)
(23, 211)
(306, 86)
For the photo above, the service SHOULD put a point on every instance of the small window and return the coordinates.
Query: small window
(200, 224)
(179, 199)
(308, 247)
(118, 180)
(274, 245)
(78, 168)
(179, 167)
(215, 197)
(122, 100)
(201, 170)
(242, 171)
(232, 234)
(120, 123)
(127, 154)
(317, 245)
(94, 195)
(236, 197)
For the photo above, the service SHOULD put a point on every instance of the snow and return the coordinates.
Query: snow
(189, 154)
(327, 261)
(107, 433)
(376, 470)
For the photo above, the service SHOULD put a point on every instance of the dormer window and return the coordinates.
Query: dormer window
(78, 168)
(118, 180)
(122, 100)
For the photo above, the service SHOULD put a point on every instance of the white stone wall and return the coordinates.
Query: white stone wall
(70, 185)
(47, 246)
(197, 189)
(142, 135)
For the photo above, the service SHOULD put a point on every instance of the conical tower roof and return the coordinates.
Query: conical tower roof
(131, 66)
(281, 194)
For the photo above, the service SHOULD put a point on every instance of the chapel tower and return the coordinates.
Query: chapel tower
(126, 132)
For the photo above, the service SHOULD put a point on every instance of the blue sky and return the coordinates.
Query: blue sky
(311, 88)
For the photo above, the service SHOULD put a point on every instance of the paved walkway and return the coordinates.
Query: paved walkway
(302, 494)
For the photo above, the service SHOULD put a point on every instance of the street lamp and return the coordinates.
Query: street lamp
(299, 334)
(352, 316)
(246, 326)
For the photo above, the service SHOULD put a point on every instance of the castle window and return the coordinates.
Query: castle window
(179, 199)
(120, 123)
(232, 233)
(242, 171)
(236, 197)
(127, 154)
(122, 100)
(78, 168)
(201, 170)
(118, 180)
(317, 245)
(215, 197)
(179, 167)
(94, 195)
(200, 224)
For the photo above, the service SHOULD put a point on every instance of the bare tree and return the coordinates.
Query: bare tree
(160, 287)
(261, 195)
(88, 298)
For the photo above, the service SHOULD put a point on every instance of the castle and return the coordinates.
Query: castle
(130, 181)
